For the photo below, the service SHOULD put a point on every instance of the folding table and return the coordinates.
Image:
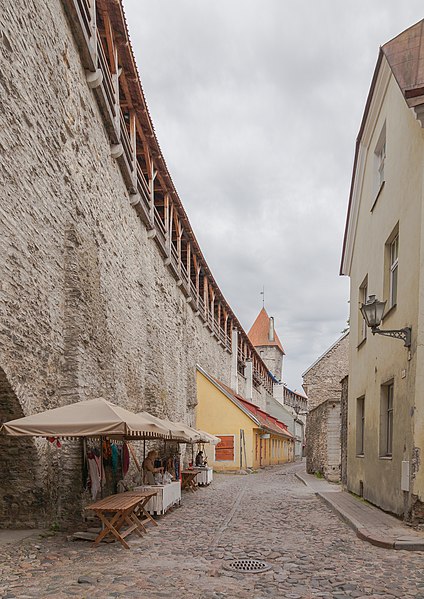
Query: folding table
(188, 480)
(120, 509)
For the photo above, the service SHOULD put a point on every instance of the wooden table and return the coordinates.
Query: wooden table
(140, 510)
(120, 509)
(189, 480)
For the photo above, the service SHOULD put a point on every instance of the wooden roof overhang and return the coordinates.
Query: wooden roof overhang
(101, 32)
(137, 101)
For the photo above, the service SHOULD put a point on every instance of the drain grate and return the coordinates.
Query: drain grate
(247, 566)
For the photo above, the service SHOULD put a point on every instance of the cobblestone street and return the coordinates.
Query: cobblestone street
(270, 515)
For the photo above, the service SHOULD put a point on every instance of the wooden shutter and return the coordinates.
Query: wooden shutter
(224, 451)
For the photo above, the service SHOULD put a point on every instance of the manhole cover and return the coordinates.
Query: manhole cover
(247, 566)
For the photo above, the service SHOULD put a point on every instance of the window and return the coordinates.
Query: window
(381, 158)
(386, 420)
(224, 451)
(363, 294)
(360, 426)
(391, 268)
(380, 161)
(393, 275)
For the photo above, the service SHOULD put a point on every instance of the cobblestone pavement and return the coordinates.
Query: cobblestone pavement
(269, 515)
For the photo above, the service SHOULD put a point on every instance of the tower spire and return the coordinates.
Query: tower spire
(263, 296)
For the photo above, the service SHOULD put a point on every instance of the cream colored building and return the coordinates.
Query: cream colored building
(383, 254)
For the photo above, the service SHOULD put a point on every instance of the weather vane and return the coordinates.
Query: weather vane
(263, 296)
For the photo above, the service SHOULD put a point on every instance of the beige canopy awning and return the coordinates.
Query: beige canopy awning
(209, 438)
(177, 430)
(95, 417)
(189, 431)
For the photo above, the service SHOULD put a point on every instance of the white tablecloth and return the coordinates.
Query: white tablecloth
(205, 476)
(167, 496)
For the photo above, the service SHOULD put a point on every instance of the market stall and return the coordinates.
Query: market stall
(204, 476)
(106, 430)
(204, 472)
(167, 496)
(182, 433)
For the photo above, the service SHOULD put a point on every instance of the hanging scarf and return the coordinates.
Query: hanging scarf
(115, 455)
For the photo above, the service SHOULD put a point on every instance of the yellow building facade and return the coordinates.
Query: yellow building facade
(250, 438)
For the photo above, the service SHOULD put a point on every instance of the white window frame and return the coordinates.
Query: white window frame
(394, 271)
(363, 293)
(360, 426)
(387, 420)
(380, 161)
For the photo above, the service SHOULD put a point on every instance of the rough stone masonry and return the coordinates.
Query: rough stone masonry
(87, 307)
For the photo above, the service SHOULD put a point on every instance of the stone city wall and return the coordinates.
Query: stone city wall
(323, 440)
(322, 380)
(88, 308)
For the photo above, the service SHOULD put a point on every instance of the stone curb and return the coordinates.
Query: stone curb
(365, 534)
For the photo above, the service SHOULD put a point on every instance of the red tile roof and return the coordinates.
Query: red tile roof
(259, 331)
(405, 55)
(265, 420)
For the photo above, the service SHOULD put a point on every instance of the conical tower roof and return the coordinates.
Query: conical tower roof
(259, 332)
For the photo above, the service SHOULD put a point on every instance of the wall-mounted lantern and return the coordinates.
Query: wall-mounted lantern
(373, 312)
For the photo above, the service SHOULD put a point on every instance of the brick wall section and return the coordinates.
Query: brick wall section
(88, 308)
(322, 380)
(323, 440)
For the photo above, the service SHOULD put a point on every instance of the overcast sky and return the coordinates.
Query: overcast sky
(256, 105)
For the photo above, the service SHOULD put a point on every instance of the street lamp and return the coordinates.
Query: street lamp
(373, 312)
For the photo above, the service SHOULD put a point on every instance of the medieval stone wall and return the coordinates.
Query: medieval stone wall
(316, 439)
(273, 358)
(323, 440)
(322, 380)
(88, 308)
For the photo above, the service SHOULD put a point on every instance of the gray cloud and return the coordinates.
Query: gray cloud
(257, 106)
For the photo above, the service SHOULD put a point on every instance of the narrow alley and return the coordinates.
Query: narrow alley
(269, 516)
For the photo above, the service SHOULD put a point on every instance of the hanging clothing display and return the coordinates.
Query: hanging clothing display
(114, 457)
(94, 470)
(125, 459)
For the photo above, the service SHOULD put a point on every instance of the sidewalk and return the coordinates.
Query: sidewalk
(370, 523)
